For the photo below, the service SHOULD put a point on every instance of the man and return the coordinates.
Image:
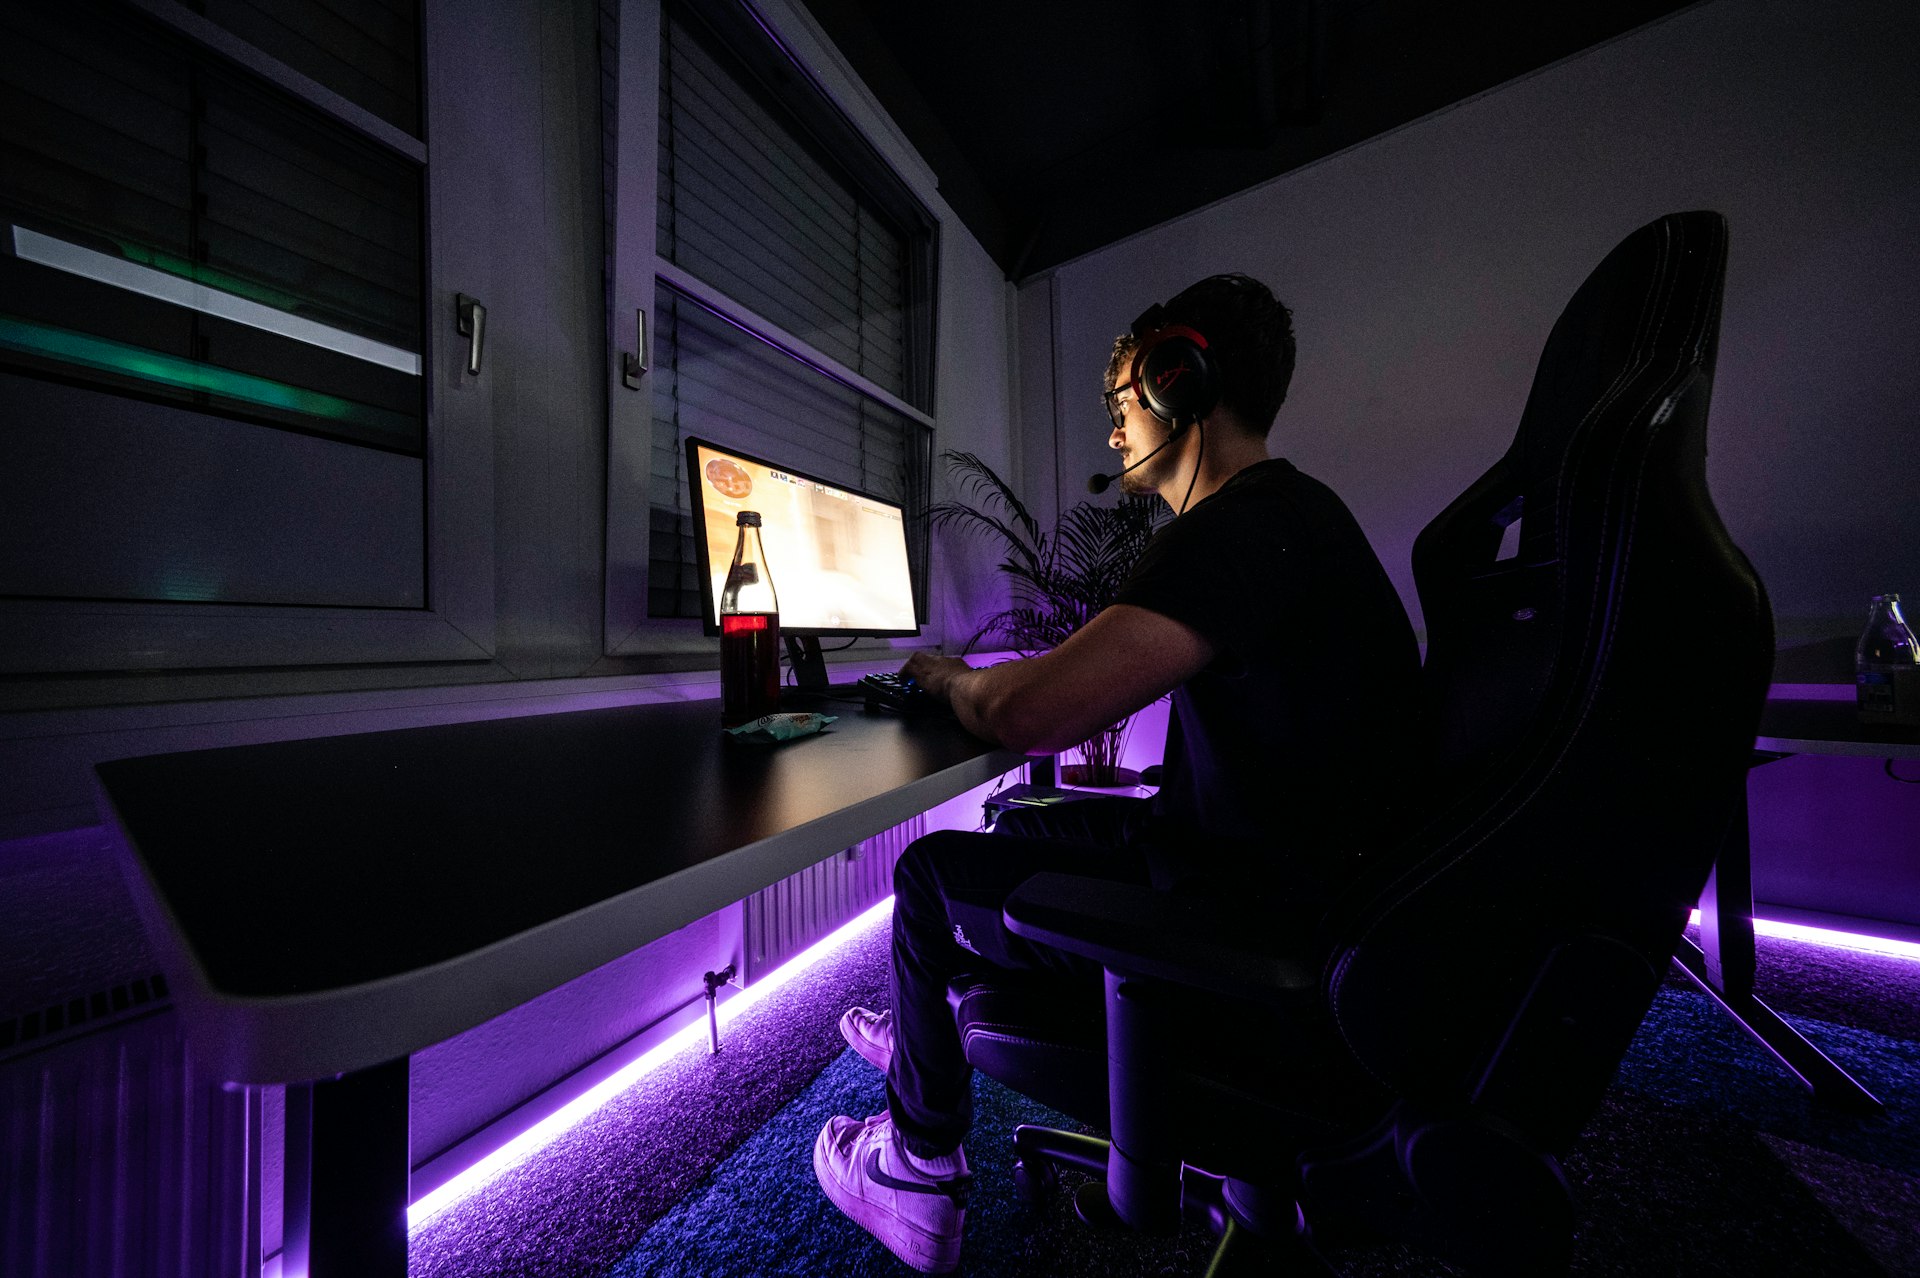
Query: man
(1265, 613)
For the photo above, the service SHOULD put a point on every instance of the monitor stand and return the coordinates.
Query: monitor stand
(809, 667)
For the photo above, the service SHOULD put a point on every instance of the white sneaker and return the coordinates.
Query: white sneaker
(865, 1172)
(870, 1034)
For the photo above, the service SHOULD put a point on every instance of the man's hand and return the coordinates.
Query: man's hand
(935, 674)
(1115, 664)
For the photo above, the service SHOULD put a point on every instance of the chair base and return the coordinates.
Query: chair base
(1242, 1253)
(1259, 1227)
(1523, 1226)
(1459, 1187)
(1040, 1152)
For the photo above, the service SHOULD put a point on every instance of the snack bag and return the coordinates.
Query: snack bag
(772, 729)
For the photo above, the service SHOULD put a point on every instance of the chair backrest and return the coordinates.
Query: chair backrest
(1591, 701)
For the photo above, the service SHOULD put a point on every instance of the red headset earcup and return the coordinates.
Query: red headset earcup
(1174, 376)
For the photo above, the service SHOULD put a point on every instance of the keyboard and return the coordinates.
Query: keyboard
(903, 696)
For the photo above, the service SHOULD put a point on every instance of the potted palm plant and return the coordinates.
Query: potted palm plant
(1060, 580)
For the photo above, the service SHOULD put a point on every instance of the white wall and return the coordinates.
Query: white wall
(1425, 269)
(974, 406)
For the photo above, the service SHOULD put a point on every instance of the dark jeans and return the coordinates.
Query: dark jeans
(949, 889)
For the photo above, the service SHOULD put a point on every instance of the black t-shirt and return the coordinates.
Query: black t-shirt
(1279, 752)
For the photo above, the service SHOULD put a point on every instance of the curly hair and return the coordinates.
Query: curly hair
(1249, 333)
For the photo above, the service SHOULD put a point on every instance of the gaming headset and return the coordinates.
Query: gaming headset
(1173, 377)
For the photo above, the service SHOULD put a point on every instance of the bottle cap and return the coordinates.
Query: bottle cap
(748, 519)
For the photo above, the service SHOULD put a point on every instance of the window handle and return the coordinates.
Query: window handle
(634, 363)
(471, 320)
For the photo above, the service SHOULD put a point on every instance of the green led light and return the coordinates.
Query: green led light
(188, 270)
(167, 370)
(188, 585)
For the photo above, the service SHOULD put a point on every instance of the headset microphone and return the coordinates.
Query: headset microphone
(1098, 483)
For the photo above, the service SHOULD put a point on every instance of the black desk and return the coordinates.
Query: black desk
(1723, 963)
(325, 907)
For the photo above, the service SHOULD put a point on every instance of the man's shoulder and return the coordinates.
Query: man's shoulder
(1273, 489)
(1274, 472)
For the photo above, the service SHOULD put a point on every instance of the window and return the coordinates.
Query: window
(177, 230)
(791, 276)
(779, 226)
(218, 335)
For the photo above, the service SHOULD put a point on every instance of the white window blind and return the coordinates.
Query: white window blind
(796, 227)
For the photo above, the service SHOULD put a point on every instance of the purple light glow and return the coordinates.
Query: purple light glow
(1833, 938)
(547, 1130)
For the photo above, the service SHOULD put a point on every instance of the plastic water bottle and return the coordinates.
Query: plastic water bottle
(1887, 667)
(749, 631)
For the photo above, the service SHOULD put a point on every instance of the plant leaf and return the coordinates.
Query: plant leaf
(1057, 583)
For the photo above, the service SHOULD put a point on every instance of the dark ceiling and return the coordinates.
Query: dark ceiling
(1057, 127)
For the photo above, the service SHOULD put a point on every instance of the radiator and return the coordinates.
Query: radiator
(780, 921)
(118, 1160)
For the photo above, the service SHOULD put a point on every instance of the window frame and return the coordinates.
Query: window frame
(637, 270)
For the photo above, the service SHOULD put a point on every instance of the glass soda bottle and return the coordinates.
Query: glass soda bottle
(749, 632)
(1887, 667)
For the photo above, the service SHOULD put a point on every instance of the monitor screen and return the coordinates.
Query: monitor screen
(838, 558)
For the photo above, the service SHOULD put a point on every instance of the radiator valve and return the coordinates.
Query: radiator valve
(713, 981)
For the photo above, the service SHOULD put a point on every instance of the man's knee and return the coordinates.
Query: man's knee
(919, 873)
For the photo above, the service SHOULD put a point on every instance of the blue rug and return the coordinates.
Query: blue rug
(1691, 1054)
(761, 1212)
(1706, 1159)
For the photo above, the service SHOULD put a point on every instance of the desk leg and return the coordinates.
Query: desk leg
(346, 1175)
(1723, 966)
(1726, 911)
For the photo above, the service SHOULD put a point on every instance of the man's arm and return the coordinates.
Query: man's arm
(1123, 659)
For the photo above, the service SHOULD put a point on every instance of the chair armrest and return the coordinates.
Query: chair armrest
(1206, 942)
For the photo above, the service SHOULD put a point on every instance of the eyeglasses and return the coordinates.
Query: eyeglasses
(1117, 407)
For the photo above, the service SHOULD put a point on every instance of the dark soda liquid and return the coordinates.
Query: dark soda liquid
(749, 666)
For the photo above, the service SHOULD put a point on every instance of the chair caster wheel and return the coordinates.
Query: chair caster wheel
(1094, 1208)
(1032, 1182)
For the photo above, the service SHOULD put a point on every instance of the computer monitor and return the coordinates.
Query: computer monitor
(838, 556)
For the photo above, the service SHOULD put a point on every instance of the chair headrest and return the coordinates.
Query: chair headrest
(1652, 303)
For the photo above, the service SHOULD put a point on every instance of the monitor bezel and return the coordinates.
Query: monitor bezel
(709, 606)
